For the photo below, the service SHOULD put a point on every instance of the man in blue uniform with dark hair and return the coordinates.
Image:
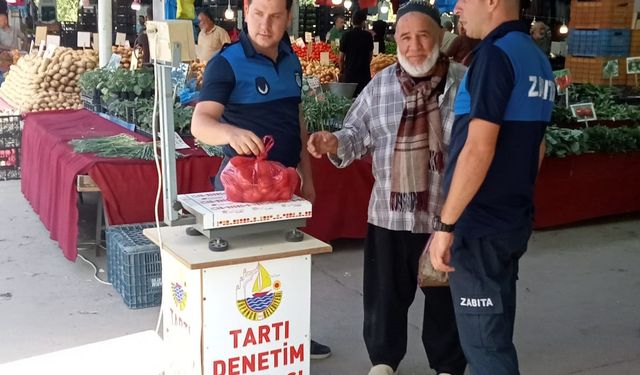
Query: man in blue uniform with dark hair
(502, 110)
(252, 88)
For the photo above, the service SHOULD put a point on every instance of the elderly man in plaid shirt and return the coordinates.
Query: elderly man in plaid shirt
(403, 118)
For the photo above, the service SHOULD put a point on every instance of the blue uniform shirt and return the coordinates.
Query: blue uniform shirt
(509, 83)
(258, 95)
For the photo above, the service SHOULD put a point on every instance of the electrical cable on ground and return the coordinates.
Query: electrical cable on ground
(95, 274)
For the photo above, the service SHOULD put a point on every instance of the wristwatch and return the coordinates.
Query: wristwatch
(439, 226)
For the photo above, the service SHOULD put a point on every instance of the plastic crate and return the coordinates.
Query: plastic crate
(94, 103)
(589, 70)
(603, 14)
(605, 42)
(134, 265)
(10, 131)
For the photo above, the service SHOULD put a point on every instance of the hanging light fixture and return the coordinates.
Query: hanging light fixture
(384, 8)
(135, 5)
(228, 14)
(336, 2)
(348, 4)
(564, 29)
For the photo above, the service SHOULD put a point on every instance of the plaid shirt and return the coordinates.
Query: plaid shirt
(371, 125)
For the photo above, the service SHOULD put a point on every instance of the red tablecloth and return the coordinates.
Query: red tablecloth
(586, 186)
(50, 167)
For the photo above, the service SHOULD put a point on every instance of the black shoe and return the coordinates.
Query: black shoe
(319, 351)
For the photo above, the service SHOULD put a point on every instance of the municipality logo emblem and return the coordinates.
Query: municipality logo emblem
(262, 86)
(298, 79)
(257, 296)
(179, 295)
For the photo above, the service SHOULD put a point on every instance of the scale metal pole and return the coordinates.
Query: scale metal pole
(168, 147)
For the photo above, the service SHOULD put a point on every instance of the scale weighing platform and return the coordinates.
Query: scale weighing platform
(217, 218)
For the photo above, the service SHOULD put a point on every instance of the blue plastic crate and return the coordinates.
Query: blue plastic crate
(604, 42)
(134, 265)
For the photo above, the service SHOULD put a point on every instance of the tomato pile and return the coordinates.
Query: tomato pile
(316, 49)
(256, 179)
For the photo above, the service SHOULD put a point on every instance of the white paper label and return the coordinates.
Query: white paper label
(41, 34)
(120, 39)
(308, 37)
(51, 49)
(53, 40)
(180, 143)
(324, 58)
(84, 39)
(314, 82)
(300, 42)
(376, 48)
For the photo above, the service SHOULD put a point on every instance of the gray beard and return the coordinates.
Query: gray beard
(423, 69)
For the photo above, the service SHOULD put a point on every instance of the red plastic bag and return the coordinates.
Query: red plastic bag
(256, 179)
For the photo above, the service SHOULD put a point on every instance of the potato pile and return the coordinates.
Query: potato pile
(325, 74)
(380, 62)
(197, 69)
(39, 84)
(125, 53)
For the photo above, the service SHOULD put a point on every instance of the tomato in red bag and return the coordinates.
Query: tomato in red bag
(256, 179)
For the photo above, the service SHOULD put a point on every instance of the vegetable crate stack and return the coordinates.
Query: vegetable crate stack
(599, 41)
(307, 20)
(10, 136)
(69, 34)
(134, 266)
(88, 20)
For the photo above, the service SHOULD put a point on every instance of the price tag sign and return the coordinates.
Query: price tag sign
(96, 42)
(376, 48)
(317, 39)
(114, 62)
(51, 49)
(324, 58)
(41, 48)
(308, 37)
(127, 44)
(41, 34)
(180, 143)
(134, 61)
(33, 44)
(300, 43)
(338, 43)
(314, 82)
(292, 39)
(84, 39)
(53, 40)
(120, 39)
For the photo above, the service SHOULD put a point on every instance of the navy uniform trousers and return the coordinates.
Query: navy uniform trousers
(483, 287)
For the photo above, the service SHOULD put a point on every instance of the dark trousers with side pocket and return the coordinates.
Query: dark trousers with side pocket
(390, 282)
(483, 287)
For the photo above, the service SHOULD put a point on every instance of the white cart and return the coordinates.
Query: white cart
(241, 311)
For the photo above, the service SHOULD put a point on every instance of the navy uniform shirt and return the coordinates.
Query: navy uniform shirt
(258, 94)
(509, 83)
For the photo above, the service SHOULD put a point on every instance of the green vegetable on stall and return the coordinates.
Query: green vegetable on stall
(116, 146)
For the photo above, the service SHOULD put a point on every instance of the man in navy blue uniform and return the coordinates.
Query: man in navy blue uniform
(252, 88)
(502, 109)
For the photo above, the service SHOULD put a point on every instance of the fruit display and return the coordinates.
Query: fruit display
(316, 49)
(380, 62)
(125, 53)
(197, 70)
(36, 83)
(324, 73)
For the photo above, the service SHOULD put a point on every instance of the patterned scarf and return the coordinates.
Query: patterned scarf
(418, 147)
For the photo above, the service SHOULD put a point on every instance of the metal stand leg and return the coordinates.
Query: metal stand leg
(218, 244)
(294, 236)
(99, 223)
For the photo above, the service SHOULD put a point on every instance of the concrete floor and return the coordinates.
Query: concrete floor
(579, 298)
